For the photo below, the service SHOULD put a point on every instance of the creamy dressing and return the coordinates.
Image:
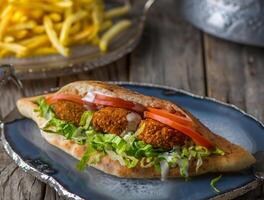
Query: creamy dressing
(90, 95)
(164, 168)
(133, 120)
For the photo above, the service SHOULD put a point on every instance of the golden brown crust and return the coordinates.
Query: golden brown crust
(68, 111)
(160, 135)
(110, 120)
(235, 158)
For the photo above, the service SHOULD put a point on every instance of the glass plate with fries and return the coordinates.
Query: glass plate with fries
(47, 38)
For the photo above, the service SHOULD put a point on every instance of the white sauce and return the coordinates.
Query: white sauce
(164, 167)
(133, 120)
(90, 95)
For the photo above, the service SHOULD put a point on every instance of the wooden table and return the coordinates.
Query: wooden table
(172, 53)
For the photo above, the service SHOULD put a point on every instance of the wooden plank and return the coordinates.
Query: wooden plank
(15, 184)
(51, 194)
(254, 82)
(18, 185)
(235, 74)
(224, 71)
(170, 51)
(118, 71)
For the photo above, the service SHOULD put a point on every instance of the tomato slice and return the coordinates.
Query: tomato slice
(117, 102)
(72, 98)
(195, 136)
(69, 97)
(174, 117)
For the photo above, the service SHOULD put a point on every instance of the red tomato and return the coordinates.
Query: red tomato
(117, 102)
(69, 97)
(195, 136)
(174, 117)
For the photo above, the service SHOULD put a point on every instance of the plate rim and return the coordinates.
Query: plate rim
(64, 192)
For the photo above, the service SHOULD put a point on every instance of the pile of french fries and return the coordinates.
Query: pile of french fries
(42, 27)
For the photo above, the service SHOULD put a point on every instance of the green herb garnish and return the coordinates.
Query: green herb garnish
(214, 181)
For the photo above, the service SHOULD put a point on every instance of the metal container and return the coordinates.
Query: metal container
(240, 21)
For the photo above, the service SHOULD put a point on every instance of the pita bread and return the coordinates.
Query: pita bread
(235, 158)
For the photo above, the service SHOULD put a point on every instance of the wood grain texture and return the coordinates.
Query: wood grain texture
(235, 74)
(170, 51)
(15, 184)
(118, 71)
(254, 82)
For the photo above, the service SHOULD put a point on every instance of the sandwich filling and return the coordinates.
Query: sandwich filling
(128, 132)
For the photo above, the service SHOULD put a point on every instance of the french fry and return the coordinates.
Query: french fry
(117, 12)
(28, 25)
(36, 13)
(33, 41)
(21, 34)
(6, 11)
(55, 17)
(38, 5)
(38, 29)
(16, 48)
(9, 39)
(41, 27)
(64, 4)
(86, 34)
(4, 21)
(53, 37)
(16, 18)
(67, 25)
(75, 28)
(112, 32)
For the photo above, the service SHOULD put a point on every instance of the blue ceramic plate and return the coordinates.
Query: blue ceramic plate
(24, 144)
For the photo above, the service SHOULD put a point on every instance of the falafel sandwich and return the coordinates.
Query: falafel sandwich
(127, 134)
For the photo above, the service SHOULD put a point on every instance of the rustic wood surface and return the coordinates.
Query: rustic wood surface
(173, 53)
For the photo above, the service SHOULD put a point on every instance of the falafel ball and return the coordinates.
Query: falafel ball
(68, 111)
(115, 120)
(160, 135)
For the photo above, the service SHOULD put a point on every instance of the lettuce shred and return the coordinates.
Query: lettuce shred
(129, 151)
(44, 109)
(214, 181)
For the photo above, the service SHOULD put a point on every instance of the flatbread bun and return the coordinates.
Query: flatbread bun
(236, 158)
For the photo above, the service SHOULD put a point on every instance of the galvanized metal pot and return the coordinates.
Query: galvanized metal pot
(240, 21)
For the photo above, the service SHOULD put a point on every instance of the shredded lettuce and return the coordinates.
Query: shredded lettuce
(199, 163)
(214, 181)
(60, 127)
(86, 156)
(218, 152)
(147, 162)
(128, 150)
(44, 109)
(86, 119)
(79, 136)
(180, 156)
(68, 130)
